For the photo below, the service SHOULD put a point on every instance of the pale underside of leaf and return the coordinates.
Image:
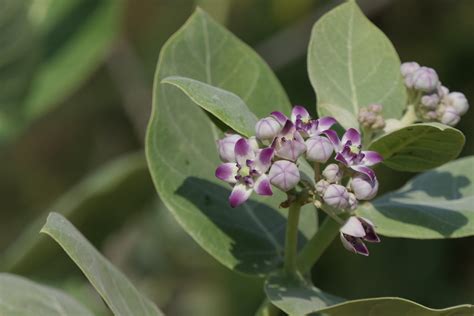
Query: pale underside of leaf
(118, 292)
(22, 297)
(435, 204)
(419, 147)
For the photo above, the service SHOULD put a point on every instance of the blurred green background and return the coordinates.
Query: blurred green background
(75, 93)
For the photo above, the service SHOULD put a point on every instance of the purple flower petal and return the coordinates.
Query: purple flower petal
(227, 172)
(262, 186)
(288, 129)
(352, 135)
(280, 117)
(370, 234)
(354, 244)
(226, 147)
(300, 111)
(243, 151)
(332, 135)
(371, 158)
(339, 157)
(325, 123)
(239, 195)
(365, 170)
(353, 227)
(264, 159)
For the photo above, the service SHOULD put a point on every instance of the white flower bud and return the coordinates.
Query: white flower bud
(332, 173)
(319, 149)
(284, 175)
(267, 128)
(458, 101)
(450, 116)
(353, 203)
(425, 79)
(376, 108)
(321, 187)
(226, 147)
(363, 187)
(430, 101)
(409, 68)
(442, 90)
(336, 196)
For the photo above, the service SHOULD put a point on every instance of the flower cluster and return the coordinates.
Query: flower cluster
(432, 100)
(371, 118)
(270, 158)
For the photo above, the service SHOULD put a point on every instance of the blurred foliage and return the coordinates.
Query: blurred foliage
(86, 126)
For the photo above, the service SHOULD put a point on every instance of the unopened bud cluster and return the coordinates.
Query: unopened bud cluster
(270, 158)
(432, 100)
(371, 117)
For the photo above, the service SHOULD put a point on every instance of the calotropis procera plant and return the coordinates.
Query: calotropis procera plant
(235, 163)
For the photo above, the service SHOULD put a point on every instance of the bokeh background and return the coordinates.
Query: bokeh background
(60, 150)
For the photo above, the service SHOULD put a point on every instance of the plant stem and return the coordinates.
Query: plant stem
(410, 116)
(316, 246)
(317, 171)
(291, 241)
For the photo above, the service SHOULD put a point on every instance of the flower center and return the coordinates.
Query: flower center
(354, 149)
(244, 171)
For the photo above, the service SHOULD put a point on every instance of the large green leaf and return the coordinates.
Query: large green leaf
(22, 297)
(435, 204)
(104, 198)
(352, 64)
(118, 293)
(419, 147)
(182, 153)
(225, 105)
(297, 299)
(76, 36)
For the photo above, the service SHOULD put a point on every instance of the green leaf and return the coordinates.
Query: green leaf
(297, 298)
(22, 297)
(352, 64)
(118, 293)
(419, 147)
(107, 195)
(76, 35)
(182, 153)
(226, 106)
(435, 204)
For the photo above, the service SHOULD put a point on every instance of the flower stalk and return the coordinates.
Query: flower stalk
(291, 240)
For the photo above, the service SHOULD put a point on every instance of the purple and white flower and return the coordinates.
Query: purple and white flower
(355, 231)
(284, 175)
(348, 152)
(289, 144)
(246, 172)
